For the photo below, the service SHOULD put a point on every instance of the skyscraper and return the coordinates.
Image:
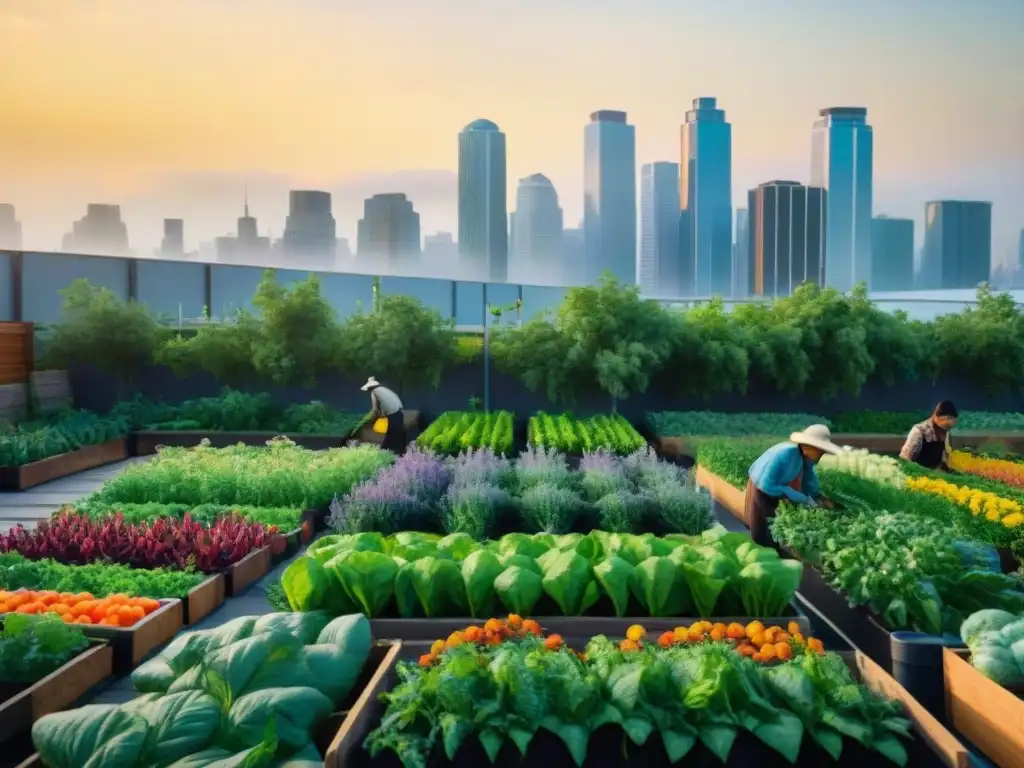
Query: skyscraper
(100, 231)
(389, 229)
(173, 244)
(892, 254)
(246, 247)
(574, 255)
(741, 255)
(310, 230)
(957, 245)
(842, 163)
(483, 208)
(787, 223)
(1020, 253)
(10, 228)
(705, 197)
(609, 197)
(536, 231)
(659, 230)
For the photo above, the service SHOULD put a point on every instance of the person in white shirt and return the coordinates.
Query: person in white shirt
(385, 404)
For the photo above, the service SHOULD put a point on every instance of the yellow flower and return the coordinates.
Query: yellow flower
(1012, 521)
(993, 507)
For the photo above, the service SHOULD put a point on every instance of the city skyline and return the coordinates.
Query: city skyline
(164, 136)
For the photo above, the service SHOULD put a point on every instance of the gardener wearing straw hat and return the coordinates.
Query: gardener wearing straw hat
(786, 471)
(385, 404)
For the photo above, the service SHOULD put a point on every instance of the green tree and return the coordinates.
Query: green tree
(98, 328)
(401, 340)
(899, 349)
(299, 333)
(985, 342)
(710, 353)
(605, 335)
(223, 349)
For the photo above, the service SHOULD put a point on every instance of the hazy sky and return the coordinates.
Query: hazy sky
(170, 107)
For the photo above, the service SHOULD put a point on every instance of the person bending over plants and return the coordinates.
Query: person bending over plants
(385, 404)
(928, 442)
(786, 471)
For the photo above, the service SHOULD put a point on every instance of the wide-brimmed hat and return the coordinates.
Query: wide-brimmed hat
(816, 436)
(371, 383)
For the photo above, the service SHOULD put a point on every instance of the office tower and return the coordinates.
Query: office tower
(389, 229)
(483, 208)
(741, 256)
(100, 231)
(609, 197)
(705, 198)
(536, 232)
(892, 254)
(10, 228)
(787, 221)
(957, 245)
(658, 261)
(574, 256)
(173, 244)
(246, 247)
(310, 230)
(842, 163)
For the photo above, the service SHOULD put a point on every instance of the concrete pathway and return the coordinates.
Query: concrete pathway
(35, 504)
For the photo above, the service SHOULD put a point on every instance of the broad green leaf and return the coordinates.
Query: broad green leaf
(569, 582)
(367, 577)
(615, 576)
(439, 587)
(660, 588)
(519, 589)
(479, 571)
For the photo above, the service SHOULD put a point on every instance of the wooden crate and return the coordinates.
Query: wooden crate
(133, 644)
(51, 390)
(247, 571)
(57, 691)
(987, 714)
(38, 472)
(203, 599)
(17, 352)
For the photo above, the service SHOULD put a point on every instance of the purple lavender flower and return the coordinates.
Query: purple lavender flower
(481, 466)
(422, 473)
(474, 508)
(602, 473)
(538, 465)
(380, 505)
(648, 471)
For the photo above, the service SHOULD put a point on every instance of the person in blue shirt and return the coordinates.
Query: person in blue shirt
(786, 471)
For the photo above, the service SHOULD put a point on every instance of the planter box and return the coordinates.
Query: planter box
(132, 644)
(367, 435)
(38, 472)
(380, 675)
(247, 571)
(312, 520)
(731, 498)
(202, 600)
(933, 745)
(23, 704)
(147, 441)
(570, 627)
(284, 545)
(987, 714)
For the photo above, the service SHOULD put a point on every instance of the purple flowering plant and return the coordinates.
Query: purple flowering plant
(538, 466)
(602, 473)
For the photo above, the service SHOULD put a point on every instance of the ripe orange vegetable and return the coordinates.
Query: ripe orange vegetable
(515, 622)
(758, 657)
(736, 631)
(784, 651)
(768, 651)
(667, 639)
(473, 634)
(770, 633)
(717, 634)
(494, 625)
(816, 645)
(455, 639)
(793, 628)
(629, 645)
(754, 628)
(531, 627)
(636, 633)
(426, 660)
(553, 642)
(746, 649)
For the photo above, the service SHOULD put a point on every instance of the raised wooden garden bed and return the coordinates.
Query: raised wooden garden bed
(203, 599)
(247, 571)
(133, 644)
(39, 472)
(21, 704)
(988, 715)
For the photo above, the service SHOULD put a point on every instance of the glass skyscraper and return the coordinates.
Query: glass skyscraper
(785, 236)
(705, 198)
(609, 197)
(842, 163)
(536, 232)
(957, 245)
(741, 255)
(659, 230)
(483, 209)
(892, 254)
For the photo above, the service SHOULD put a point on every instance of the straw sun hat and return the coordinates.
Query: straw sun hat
(816, 436)
(372, 382)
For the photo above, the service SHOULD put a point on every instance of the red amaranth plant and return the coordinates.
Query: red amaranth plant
(167, 542)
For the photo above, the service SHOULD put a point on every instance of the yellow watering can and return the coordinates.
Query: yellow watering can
(380, 426)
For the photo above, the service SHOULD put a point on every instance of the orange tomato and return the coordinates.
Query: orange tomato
(717, 634)
(636, 633)
(667, 639)
(816, 645)
(531, 627)
(754, 628)
(736, 631)
(18, 598)
(109, 621)
(426, 660)
(60, 609)
(553, 642)
(784, 651)
(4, 594)
(492, 638)
(758, 657)
(695, 634)
(474, 634)
(33, 607)
(793, 628)
(84, 596)
(68, 598)
(48, 598)
(515, 621)
(67, 618)
(758, 639)
(494, 625)
(746, 650)
(83, 607)
(768, 651)
(148, 604)
(4, 607)
(629, 645)
(770, 633)
(83, 619)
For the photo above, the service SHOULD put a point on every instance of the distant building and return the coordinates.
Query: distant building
(892, 254)
(100, 231)
(705, 197)
(246, 247)
(574, 256)
(173, 244)
(389, 229)
(1020, 253)
(741, 255)
(483, 205)
(842, 163)
(957, 245)
(787, 226)
(310, 230)
(609, 197)
(658, 260)
(10, 228)
(536, 232)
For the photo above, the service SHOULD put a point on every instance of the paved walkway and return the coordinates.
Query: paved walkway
(35, 504)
